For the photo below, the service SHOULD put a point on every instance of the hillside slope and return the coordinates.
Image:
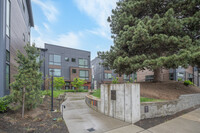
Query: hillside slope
(166, 90)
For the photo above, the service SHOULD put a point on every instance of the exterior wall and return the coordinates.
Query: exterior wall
(2, 48)
(98, 74)
(20, 25)
(158, 109)
(66, 66)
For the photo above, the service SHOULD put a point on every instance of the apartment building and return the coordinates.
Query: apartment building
(66, 62)
(102, 74)
(16, 20)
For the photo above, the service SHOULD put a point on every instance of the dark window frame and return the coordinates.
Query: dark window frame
(54, 72)
(85, 77)
(73, 70)
(73, 59)
(7, 76)
(106, 75)
(83, 65)
(53, 62)
(8, 17)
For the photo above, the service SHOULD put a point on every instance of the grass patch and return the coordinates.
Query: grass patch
(144, 99)
(97, 93)
(56, 93)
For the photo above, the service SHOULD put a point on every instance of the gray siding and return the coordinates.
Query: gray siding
(19, 27)
(63, 52)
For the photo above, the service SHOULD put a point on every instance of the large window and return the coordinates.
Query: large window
(54, 59)
(56, 73)
(7, 56)
(83, 63)
(7, 76)
(108, 76)
(84, 74)
(8, 17)
(126, 77)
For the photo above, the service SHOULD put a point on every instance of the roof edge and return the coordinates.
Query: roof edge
(31, 21)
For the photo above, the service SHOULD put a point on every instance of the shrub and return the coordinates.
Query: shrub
(115, 80)
(180, 79)
(187, 83)
(4, 102)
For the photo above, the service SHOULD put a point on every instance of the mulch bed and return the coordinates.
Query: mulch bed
(151, 122)
(39, 120)
(168, 90)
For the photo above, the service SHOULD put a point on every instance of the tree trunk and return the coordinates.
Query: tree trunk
(23, 102)
(158, 75)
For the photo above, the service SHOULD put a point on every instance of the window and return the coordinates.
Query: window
(83, 63)
(73, 70)
(54, 60)
(126, 77)
(29, 37)
(84, 74)
(23, 37)
(180, 74)
(67, 59)
(171, 76)
(23, 5)
(149, 78)
(8, 18)
(7, 56)
(108, 76)
(7, 76)
(56, 73)
(73, 60)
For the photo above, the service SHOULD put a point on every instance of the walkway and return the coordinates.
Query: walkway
(80, 118)
(188, 123)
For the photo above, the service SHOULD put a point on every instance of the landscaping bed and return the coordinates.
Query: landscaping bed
(39, 120)
(168, 90)
(151, 122)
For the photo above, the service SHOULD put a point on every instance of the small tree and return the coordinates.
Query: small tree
(27, 85)
(59, 82)
(78, 83)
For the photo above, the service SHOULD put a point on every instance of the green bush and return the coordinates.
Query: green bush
(4, 102)
(115, 80)
(187, 83)
(180, 79)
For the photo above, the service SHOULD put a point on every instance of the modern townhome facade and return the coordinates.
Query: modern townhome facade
(16, 20)
(66, 62)
(101, 74)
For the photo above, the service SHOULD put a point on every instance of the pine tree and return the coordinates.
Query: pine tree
(27, 85)
(153, 34)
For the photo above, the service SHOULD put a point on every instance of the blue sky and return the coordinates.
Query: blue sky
(80, 24)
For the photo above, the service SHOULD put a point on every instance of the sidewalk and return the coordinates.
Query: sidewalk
(79, 118)
(188, 123)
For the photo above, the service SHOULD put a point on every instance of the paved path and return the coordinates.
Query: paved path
(188, 123)
(79, 117)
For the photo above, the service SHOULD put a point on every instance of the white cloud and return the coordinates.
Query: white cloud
(67, 40)
(48, 8)
(46, 26)
(99, 10)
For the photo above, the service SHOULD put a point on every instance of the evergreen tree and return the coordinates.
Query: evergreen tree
(27, 85)
(153, 34)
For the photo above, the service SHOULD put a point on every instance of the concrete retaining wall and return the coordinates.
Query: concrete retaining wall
(157, 109)
(93, 102)
(126, 107)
